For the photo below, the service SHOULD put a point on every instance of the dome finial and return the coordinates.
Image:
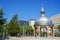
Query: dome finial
(42, 10)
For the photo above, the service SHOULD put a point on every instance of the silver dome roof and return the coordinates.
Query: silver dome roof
(43, 21)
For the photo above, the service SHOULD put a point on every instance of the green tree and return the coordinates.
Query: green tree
(2, 21)
(58, 27)
(21, 30)
(13, 26)
(28, 29)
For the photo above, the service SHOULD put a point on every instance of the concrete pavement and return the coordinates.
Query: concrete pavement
(34, 38)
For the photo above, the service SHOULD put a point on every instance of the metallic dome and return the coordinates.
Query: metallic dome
(43, 20)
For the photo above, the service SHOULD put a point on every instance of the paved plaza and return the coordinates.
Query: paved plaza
(34, 38)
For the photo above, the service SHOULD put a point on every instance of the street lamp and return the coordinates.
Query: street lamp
(5, 28)
(23, 30)
(3, 32)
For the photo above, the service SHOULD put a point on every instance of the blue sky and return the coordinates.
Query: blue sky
(29, 9)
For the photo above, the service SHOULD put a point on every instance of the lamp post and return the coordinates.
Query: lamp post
(5, 32)
(23, 30)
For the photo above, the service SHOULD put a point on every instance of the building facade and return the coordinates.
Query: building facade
(56, 19)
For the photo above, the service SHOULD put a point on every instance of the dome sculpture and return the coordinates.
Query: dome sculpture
(43, 20)
(45, 23)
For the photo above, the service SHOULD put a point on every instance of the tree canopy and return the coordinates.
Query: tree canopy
(13, 26)
(58, 27)
(21, 30)
(2, 21)
(28, 28)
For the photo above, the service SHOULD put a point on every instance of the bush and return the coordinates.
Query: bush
(57, 34)
(43, 34)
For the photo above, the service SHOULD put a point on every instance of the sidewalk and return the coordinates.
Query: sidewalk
(34, 38)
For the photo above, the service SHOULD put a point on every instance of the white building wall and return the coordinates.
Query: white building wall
(56, 19)
(31, 23)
